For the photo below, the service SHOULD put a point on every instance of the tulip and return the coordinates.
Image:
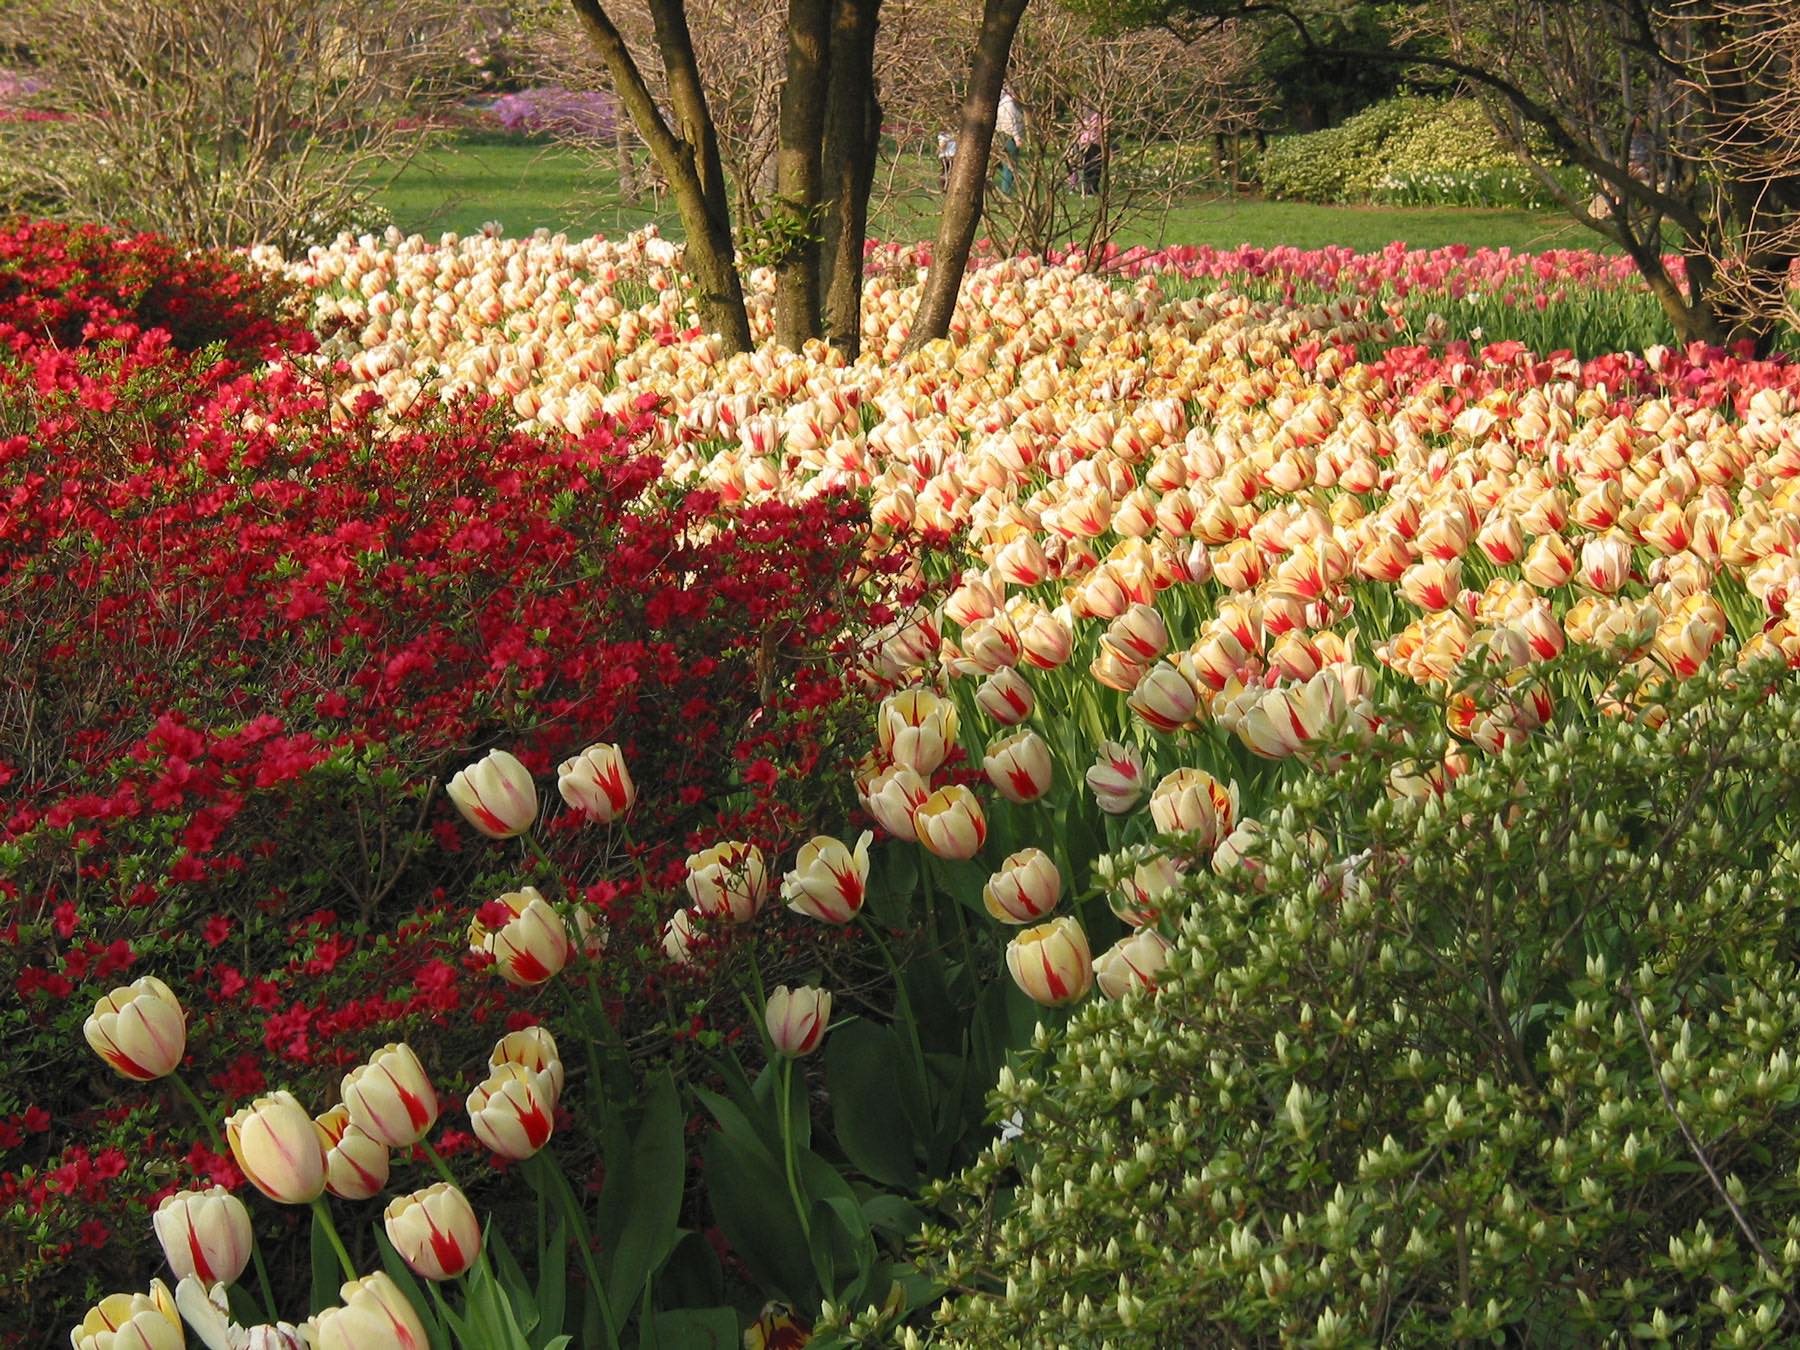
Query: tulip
(1164, 699)
(496, 795)
(131, 1322)
(390, 1098)
(1051, 963)
(728, 881)
(991, 644)
(1192, 801)
(1006, 697)
(829, 881)
(1044, 638)
(531, 1048)
(1605, 563)
(140, 1029)
(1019, 766)
(435, 1231)
(678, 936)
(1114, 671)
(208, 1312)
(277, 1148)
(204, 1234)
(1138, 635)
(1548, 564)
(893, 796)
(1132, 963)
(375, 1316)
(531, 946)
(514, 1110)
(1137, 882)
(1025, 889)
(917, 728)
(950, 823)
(356, 1164)
(1117, 778)
(797, 1019)
(596, 783)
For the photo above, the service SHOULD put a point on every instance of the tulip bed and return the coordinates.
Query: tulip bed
(985, 659)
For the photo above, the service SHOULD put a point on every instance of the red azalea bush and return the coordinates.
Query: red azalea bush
(251, 634)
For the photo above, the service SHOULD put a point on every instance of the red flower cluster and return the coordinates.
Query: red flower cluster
(255, 630)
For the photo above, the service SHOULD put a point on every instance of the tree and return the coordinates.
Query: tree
(1682, 112)
(967, 189)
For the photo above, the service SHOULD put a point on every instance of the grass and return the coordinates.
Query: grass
(459, 186)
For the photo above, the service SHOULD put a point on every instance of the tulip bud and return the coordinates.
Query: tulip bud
(435, 1231)
(1163, 699)
(1019, 766)
(1051, 963)
(1026, 888)
(950, 823)
(375, 1316)
(140, 1029)
(1117, 778)
(277, 1148)
(796, 1019)
(131, 1322)
(390, 1098)
(529, 947)
(1192, 801)
(514, 1110)
(678, 937)
(1006, 697)
(1131, 963)
(531, 1048)
(892, 796)
(495, 795)
(596, 783)
(917, 728)
(828, 882)
(204, 1234)
(356, 1164)
(728, 881)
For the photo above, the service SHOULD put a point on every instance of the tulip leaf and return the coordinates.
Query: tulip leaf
(748, 1189)
(653, 1190)
(511, 1278)
(552, 1285)
(403, 1278)
(694, 1329)
(891, 903)
(862, 1062)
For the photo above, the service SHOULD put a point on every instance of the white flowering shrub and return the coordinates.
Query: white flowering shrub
(1404, 152)
(1514, 1063)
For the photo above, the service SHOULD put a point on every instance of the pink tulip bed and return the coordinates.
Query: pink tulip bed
(518, 829)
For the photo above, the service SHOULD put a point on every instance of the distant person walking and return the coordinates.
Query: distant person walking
(1009, 135)
(946, 157)
(1640, 152)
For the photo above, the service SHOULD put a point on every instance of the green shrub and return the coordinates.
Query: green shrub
(1404, 152)
(1520, 1070)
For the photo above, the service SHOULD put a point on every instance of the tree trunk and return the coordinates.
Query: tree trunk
(797, 172)
(968, 172)
(687, 154)
(852, 143)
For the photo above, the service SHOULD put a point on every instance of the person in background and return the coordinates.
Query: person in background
(946, 156)
(1009, 135)
(1090, 152)
(1640, 152)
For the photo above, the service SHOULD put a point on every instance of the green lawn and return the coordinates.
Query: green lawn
(459, 186)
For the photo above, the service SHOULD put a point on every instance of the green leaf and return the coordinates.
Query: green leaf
(552, 1285)
(513, 1284)
(748, 1191)
(652, 1206)
(862, 1063)
(695, 1328)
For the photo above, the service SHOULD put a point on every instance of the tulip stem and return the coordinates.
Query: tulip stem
(786, 1112)
(322, 1214)
(223, 1150)
(437, 1161)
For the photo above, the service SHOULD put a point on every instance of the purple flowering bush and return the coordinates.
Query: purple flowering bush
(551, 110)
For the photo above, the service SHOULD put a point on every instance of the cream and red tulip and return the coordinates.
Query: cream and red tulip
(205, 1235)
(796, 1019)
(597, 784)
(496, 795)
(277, 1148)
(728, 881)
(829, 881)
(435, 1231)
(391, 1098)
(356, 1163)
(131, 1322)
(951, 823)
(513, 1111)
(1019, 766)
(1025, 889)
(139, 1029)
(1051, 963)
(531, 946)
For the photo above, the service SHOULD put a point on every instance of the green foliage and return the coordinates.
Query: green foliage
(1406, 151)
(1514, 1064)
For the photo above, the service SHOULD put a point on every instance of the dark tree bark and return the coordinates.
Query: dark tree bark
(687, 153)
(967, 191)
(797, 171)
(852, 142)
